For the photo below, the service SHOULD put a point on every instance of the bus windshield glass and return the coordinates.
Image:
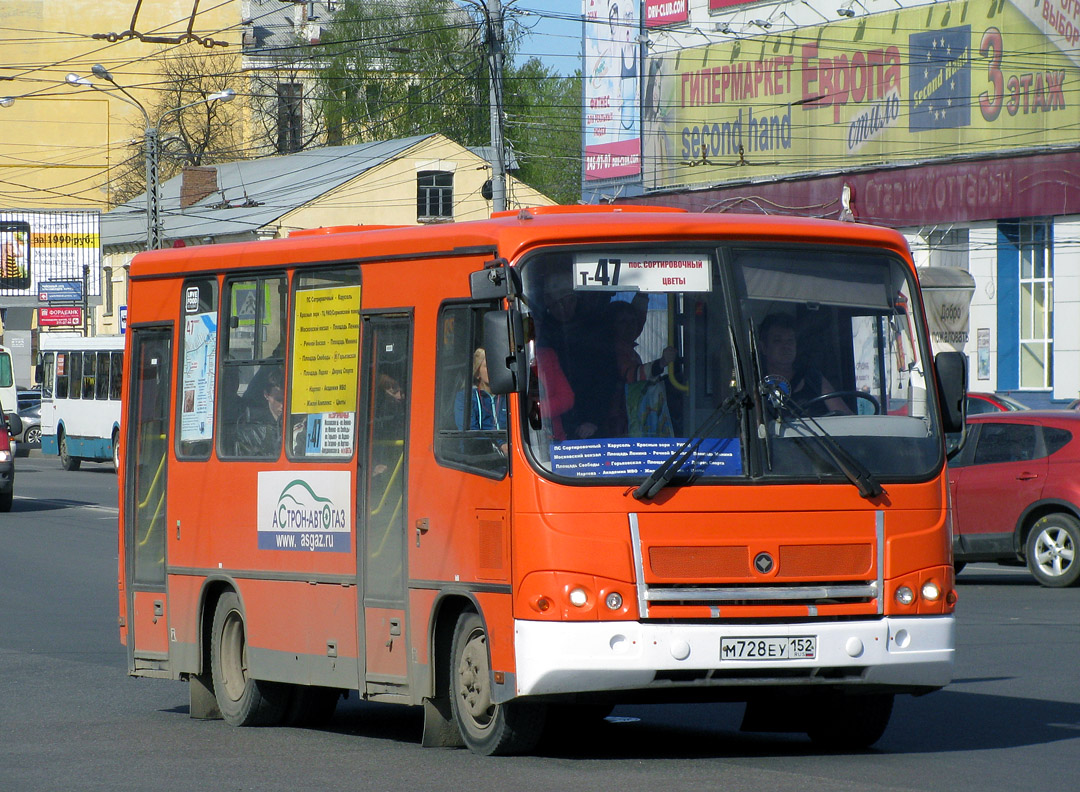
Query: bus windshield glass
(757, 361)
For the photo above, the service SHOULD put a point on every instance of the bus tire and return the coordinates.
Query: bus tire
(67, 462)
(849, 722)
(116, 450)
(487, 728)
(243, 701)
(1053, 550)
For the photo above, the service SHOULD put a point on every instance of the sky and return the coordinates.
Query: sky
(555, 32)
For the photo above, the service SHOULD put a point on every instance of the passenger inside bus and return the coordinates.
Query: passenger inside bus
(258, 429)
(486, 410)
(781, 366)
(576, 328)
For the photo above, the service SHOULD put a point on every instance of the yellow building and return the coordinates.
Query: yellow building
(408, 181)
(59, 142)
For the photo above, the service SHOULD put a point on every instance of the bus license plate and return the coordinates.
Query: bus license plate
(802, 647)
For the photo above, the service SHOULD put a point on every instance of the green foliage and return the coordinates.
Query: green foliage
(543, 112)
(394, 68)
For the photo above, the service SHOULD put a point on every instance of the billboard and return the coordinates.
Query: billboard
(906, 86)
(39, 247)
(612, 107)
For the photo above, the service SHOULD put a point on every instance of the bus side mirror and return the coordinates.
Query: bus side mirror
(952, 370)
(504, 348)
(495, 281)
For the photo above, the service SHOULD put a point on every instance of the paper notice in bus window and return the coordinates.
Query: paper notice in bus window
(200, 362)
(324, 434)
(308, 510)
(326, 350)
(627, 272)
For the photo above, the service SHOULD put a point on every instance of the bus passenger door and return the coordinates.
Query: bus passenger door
(146, 468)
(381, 505)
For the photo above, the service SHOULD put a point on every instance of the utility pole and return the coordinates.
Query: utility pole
(495, 91)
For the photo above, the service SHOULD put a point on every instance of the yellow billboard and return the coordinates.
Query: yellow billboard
(947, 80)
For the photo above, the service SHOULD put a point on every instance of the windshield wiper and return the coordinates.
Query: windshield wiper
(853, 470)
(667, 469)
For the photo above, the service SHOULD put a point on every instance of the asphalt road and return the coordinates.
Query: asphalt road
(71, 719)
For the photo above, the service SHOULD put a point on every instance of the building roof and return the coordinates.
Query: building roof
(251, 194)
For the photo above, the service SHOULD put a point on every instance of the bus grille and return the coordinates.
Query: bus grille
(720, 581)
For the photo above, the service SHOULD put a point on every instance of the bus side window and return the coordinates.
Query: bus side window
(322, 396)
(48, 374)
(117, 375)
(198, 355)
(75, 361)
(104, 363)
(63, 370)
(89, 373)
(470, 422)
(254, 357)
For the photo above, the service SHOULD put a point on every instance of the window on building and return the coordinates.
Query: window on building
(948, 248)
(107, 289)
(1036, 302)
(434, 195)
(290, 117)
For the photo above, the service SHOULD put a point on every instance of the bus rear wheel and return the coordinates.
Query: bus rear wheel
(116, 450)
(243, 701)
(67, 461)
(487, 728)
(849, 723)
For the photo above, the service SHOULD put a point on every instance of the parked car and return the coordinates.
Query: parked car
(979, 403)
(1015, 489)
(10, 425)
(30, 415)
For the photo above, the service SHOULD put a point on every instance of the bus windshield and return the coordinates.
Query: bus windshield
(758, 361)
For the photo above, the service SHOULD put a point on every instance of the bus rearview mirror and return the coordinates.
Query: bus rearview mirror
(504, 349)
(951, 370)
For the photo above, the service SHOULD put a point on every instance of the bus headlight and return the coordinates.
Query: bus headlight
(930, 591)
(578, 597)
(613, 601)
(904, 595)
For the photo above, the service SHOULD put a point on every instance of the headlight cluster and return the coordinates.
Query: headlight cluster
(930, 591)
(566, 595)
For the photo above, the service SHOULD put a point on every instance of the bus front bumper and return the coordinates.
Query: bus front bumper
(581, 657)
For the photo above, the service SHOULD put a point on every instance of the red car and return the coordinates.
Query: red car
(979, 403)
(1015, 489)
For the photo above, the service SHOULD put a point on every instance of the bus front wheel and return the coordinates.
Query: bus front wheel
(845, 723)
(116, 450)
(243, 701)
(67, 461)
(487, 728)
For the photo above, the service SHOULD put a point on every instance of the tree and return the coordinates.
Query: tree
(204, 134)
(393, 68)
(543, 127)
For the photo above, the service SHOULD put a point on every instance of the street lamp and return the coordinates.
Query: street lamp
(153, 197)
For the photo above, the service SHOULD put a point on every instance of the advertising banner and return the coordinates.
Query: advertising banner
(39, 247)
(70, 316)
(911, 85)
(664, 12)
(612, 108)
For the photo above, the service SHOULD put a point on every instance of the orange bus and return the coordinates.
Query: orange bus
(520, 470)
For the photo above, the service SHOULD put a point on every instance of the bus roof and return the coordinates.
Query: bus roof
(509, 234)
